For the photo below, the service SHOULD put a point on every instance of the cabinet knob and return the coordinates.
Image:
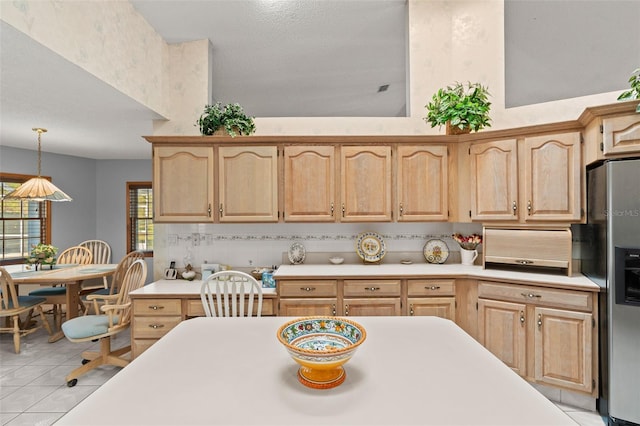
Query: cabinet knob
(209, 210)
(401, 209)
(522, 317)
(514, 206)
(307, 288)
(221, 210)
(539, 321)
(343, 209)
(529, 207)
(411, 309)
(155, 307)
(433, 287)
(331, 209)
(346, 310)
(156, 326)
(531, 295)
(372, 288)
(524, 262)
(333, 309)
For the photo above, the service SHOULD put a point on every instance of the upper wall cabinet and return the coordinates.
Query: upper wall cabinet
(309, 183)
(552, 177)
(183, 184)
(248, 184)
(365, 183)
(422, 183)
(534, 179)
(494, 180)
(621, 135)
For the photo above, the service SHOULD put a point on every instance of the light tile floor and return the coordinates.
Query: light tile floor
(33, 390)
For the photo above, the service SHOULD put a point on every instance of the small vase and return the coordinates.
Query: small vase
(467, 257)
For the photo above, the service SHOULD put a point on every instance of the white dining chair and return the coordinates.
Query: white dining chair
(231, 294)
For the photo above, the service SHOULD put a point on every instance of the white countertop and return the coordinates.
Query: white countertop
(179, 288)
(426, 270)
(230, 371)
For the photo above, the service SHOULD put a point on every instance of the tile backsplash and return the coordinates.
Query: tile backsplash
(250, 245)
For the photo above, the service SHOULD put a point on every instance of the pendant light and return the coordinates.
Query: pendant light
(38, 188)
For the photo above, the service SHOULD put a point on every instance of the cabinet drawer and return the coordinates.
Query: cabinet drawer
(157, 307)
(431, 287)
(371, 288)
(195, 308)
(153, 327)
(308, 288)
(539, 296)
(138, 346)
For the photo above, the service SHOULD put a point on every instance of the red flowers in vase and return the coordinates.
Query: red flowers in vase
(468, 242)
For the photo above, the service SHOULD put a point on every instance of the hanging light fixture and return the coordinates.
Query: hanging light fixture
(38, 188)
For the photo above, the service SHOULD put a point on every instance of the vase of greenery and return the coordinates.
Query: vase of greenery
(634, 91)
(461, 108)
(229, 119)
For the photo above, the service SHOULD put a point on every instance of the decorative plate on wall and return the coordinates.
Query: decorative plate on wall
(370, 247)
(297, 253)
(436, 251)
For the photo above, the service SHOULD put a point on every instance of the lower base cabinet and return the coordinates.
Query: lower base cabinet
(432, 298)
(547, 345)
(308, 307)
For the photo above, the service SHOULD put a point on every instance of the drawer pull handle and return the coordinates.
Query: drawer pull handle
(531, 295)
(332, 209)
(307, 288)
(156, 326)
(433, 287)
(372, 288)
(333, 310)
(524, 262)
(155, 307)
(411, 309)
(346, 310)
(522, 317)
(514, 206)
(539, 321)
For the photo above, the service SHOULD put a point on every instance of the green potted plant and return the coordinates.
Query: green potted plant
(634, 91)
(462, 108)
(230, 119)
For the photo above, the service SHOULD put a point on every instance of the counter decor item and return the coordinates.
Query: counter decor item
(42, 254)
(468, 245)
(370, 247)
(436, 251)
(297, 253)
(634, 91)
(225, 119)
(321, 345)
(336, 260)
(462, 108)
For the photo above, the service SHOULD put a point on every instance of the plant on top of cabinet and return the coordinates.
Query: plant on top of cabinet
(634, 91)
(228, 118)
(462, 108)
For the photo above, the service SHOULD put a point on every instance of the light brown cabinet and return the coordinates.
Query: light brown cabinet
(546, 335)
(152, 319)
(248, 184)
(309, 183)
(183, 186)
(621, 134)
(365, 173)
(422, 183)
(431, 298)
(308, 297)
(372, 297)
(541, 181)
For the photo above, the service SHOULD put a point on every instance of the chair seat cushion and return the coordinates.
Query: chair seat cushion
(49, 291)
(86, 326)
(27, 301)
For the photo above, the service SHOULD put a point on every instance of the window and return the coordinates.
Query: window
(22, 223)
(140, 220)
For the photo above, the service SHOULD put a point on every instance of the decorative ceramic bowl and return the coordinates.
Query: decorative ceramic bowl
(321, 345)
(336, 260)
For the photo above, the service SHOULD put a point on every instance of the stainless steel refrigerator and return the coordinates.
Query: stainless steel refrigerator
(610, 256)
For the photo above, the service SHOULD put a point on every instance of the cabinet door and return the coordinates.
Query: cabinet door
(365, 183)
(552, 177)
(621, 135)
(368, 307)
(307, 307)
(422, 183)
(183, 184)
(494, 180)
(443, 307)
(563, 348)
(502, 330)
(309, 183)
(248, 178)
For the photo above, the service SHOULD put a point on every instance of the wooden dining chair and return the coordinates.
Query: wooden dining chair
(115, 317)
(57, 295)
(12, 306)
(223, 294)
(116, 279)
(101, 252)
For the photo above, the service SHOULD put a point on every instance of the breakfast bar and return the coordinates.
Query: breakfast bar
(234, 371)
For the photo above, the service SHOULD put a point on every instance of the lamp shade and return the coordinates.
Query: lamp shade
(38, 189)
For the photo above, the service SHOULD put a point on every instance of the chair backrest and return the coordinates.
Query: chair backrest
(121, 270)
(100, 250)
(230, 289)
(76, 254)
(8, 294)
(134, 279)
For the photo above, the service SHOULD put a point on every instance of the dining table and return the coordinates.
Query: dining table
(71, 275)
(234, 371)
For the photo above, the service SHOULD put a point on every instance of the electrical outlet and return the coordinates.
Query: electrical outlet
(250, 262)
